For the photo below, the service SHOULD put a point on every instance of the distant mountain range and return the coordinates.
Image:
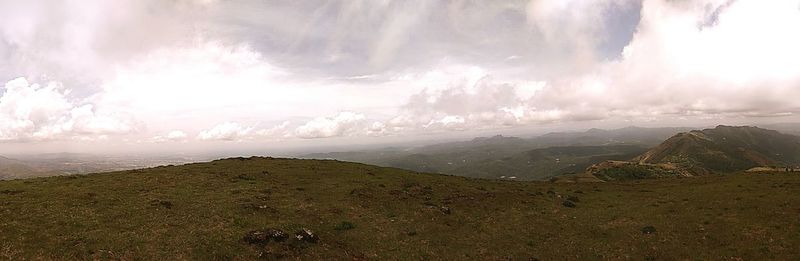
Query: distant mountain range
(595, 154)
(501, 157)
(723, 149)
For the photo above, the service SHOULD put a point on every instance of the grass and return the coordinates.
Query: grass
(203, 211)
(345, 225)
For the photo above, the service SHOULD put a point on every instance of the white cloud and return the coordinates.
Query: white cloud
(461, 97)
(679, 63)
(210, 82)
(176, 135)
(345, 123)
(172, 136)
(411, 68)
(67, 38)
(744, 64)
(214, 74)
(228, 131)
(377, 129)
(449, 122)
(35, 112)
(573, 29)
(276, 132)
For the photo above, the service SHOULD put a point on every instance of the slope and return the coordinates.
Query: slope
(535, 158)
(723, 149)
(726, 149)
(207, 210)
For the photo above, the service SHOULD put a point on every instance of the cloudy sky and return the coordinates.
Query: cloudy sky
(96, 75)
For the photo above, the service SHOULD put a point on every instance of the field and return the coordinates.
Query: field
(357, 211)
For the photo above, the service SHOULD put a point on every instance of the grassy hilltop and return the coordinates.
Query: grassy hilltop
(210, 211)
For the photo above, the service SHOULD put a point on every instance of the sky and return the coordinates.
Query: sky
(194, 75)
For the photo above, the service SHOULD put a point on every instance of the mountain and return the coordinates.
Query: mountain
(12, 168)
(256, 208)
(500, 157)
(540, 164)
(723, 149)
(726, 149)
(629, 135)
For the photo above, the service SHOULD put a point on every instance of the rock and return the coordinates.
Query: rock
(263, 236)
(277, 235)
(306, 235)
(569, 204)
(445, 210)
(256, 237)
(648, 230)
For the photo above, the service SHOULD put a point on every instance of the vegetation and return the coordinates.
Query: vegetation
(500, 157)
(248, 208)
(726, 149)
(632, 172)
(345, 225)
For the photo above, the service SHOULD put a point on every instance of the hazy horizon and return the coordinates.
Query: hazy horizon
(259, 77)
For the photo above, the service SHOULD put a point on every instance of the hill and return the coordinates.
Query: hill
(536, 158)
(12, 168)
(726, 149)
(632, 135)
(541, 164)
(249, 208)
(723, 149)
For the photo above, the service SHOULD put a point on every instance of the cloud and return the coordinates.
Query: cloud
(208, 82)
(396, 30)
(149, 67)
(176, 135)
(276, 132)
(576, 30)
(64, 39)
(172, 136)
(228, 131)
(344, 123)
(678, 65)
(745, 62)
(234, 131)
(34, 112)
(377, 128)
(462, 97)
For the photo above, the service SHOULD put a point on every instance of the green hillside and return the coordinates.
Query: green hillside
(726, 149)
(227, 209)
(540, 164)
(721, 150)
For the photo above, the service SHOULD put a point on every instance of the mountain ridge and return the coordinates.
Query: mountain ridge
(497, 157)
(723, 149)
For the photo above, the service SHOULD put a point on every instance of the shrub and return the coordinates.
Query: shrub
(648, 230)
(345, 225)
